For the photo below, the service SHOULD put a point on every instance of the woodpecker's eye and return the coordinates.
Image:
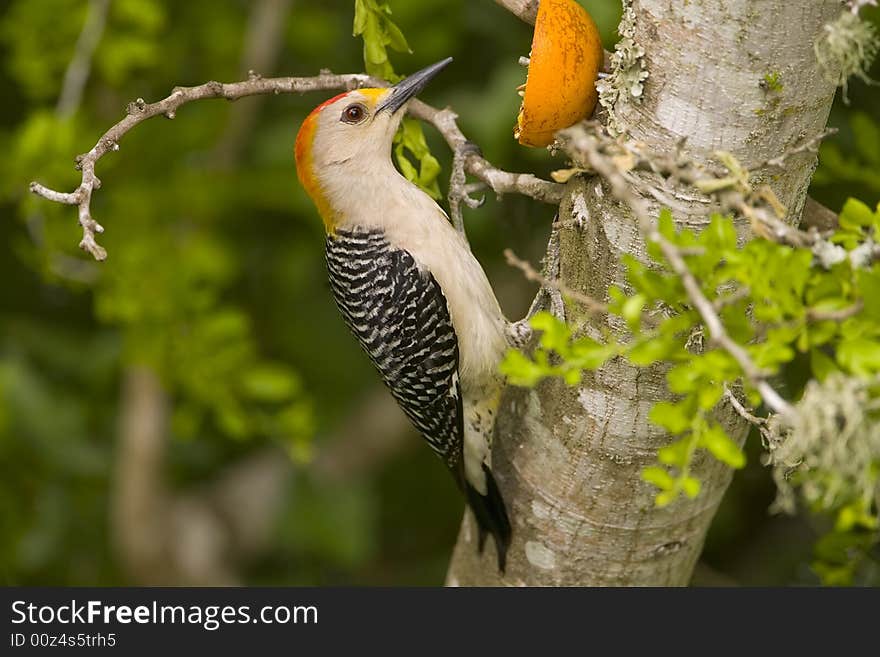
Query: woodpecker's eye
(354, 113)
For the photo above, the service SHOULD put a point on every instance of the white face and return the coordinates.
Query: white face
(351, 135)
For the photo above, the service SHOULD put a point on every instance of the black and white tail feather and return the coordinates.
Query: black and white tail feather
(399, 315)
(491, 515)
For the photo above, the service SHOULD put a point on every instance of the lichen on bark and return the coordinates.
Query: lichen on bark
(625, 81)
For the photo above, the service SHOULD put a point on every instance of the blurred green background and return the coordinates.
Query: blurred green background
(193, 411)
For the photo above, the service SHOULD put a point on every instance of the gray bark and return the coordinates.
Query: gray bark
(568, 459)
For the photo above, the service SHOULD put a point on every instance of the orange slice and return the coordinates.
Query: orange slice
(563, 68)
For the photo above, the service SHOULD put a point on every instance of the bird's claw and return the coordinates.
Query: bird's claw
(520, 333)
(459, 190)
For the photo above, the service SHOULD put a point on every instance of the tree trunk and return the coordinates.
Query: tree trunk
(568, 459)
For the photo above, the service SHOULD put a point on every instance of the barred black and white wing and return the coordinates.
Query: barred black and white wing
(399, 315)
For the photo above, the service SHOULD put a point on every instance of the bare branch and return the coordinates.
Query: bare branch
(525, 10)
(810, 146)
(730, 186)
(592, 305)
(817, 216)
(77, 73)
(836, 315)
(741, 410)
(444, 120)
(501, 182)
(737, 295)
(760, 423)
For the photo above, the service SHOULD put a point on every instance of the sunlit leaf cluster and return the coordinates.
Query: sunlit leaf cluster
(774, 300)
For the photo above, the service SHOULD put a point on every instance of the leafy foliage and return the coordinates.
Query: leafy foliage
(776, 301)
(372, 22)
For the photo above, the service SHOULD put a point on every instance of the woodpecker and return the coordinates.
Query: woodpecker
(409, 288)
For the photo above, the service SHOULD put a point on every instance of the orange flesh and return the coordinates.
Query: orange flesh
(563, 69)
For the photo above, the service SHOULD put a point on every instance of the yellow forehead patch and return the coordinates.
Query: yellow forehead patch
(373, 96)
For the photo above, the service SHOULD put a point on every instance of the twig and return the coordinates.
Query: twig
(444, 120)
(737, 295)
(77, 73)
(810, 145)
(501, 182)
(525, 10)
(742, 410)
(75, 77)
(586, 145)
(730, 186)
(592, 305)
(836, 315)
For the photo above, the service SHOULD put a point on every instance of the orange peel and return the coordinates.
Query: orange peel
(564, 64)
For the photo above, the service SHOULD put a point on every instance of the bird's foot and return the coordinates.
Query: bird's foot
(459, 189)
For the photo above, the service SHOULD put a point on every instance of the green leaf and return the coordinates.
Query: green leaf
(666, 224)
(588, 354)
(869, 287)
(769, 355)
(374, 50)
(709, 395)
(360, 18)
(555, 334)
(855, 215)
(659, 477)
(822, 365)
(855, 516)
(720, 234)
(677, 453)
(691, 486)
(861, 356)
(647, 351)
(683, 378)
(816, 335)
(232, 419)
(675, 417)
(521, 370)
(722, 447)
(395, 38)
(572, 377)
(632, 311)
(867, 141)
(406, 167)
(411, 139)
(269, 383)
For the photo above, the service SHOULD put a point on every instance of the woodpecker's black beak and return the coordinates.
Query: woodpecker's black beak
(409, 87)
